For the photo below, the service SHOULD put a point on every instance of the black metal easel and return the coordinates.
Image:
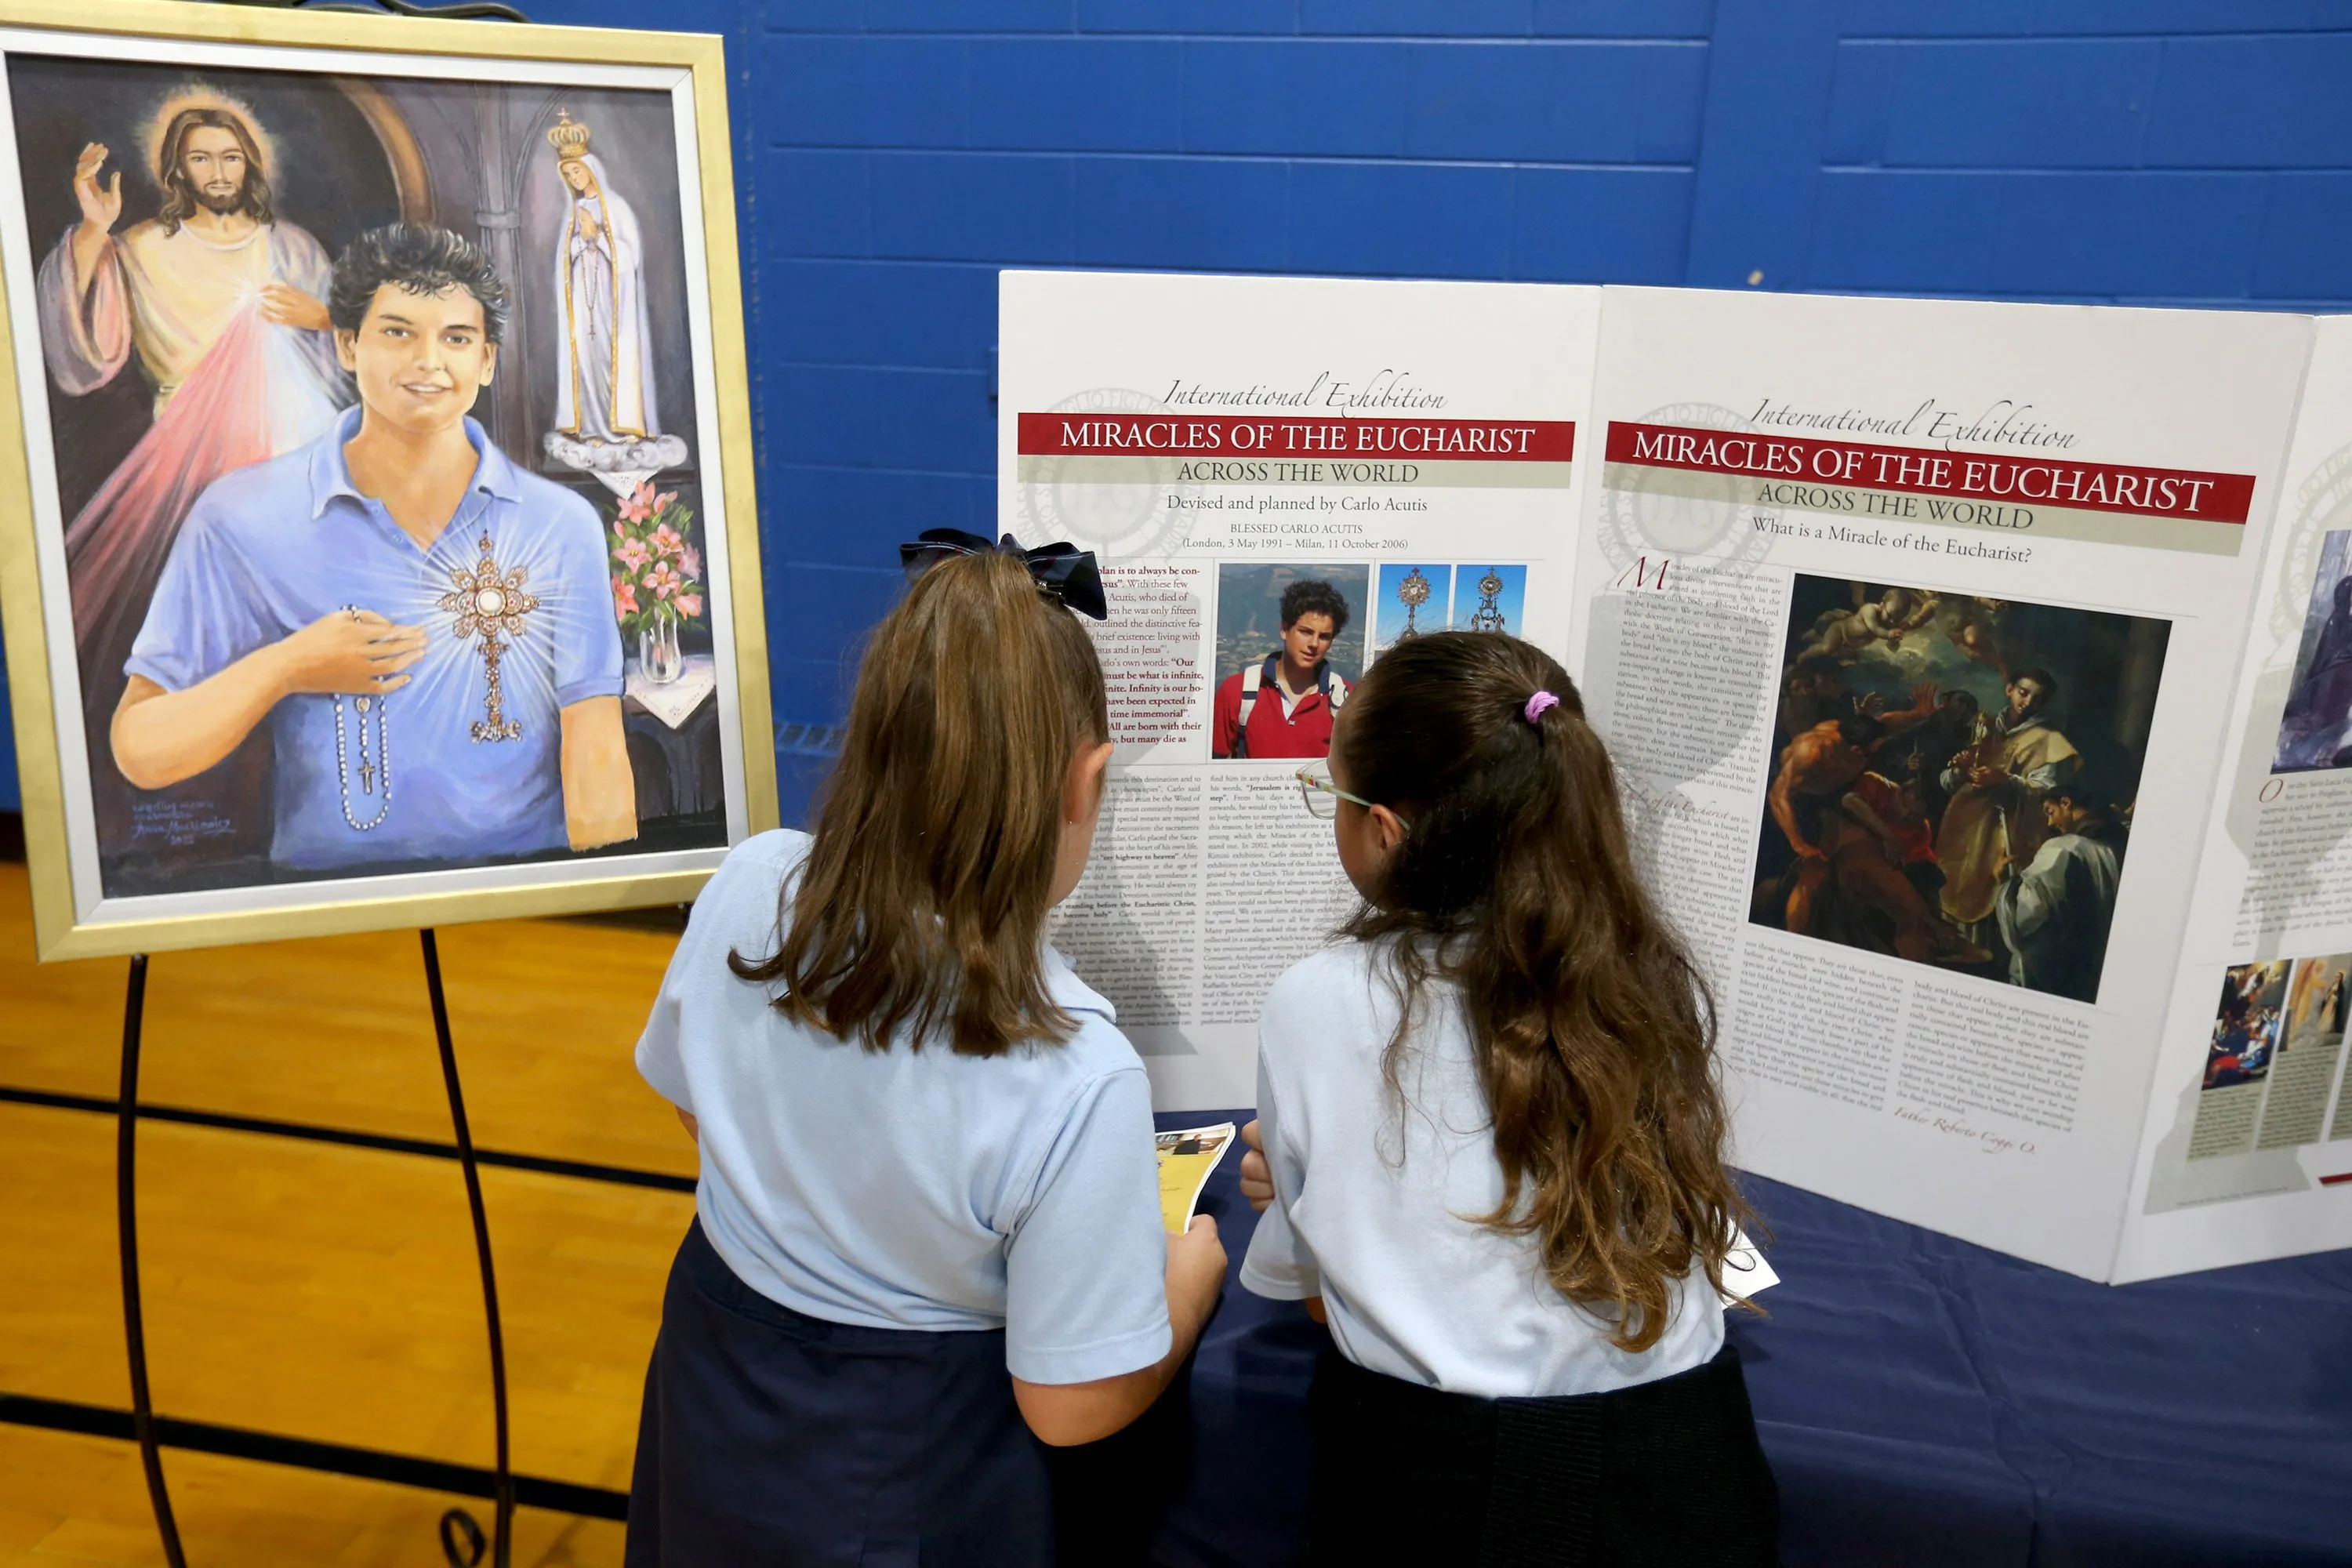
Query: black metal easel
(462, 1540)
(462, 11)
(126, 1210)
(502, 1525)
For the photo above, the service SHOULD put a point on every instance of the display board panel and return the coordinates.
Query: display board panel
(1976, 726)
(2247, 1149)
(1912, 624)
(1282, 477)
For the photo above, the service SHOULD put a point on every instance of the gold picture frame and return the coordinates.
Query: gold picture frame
(77, 912)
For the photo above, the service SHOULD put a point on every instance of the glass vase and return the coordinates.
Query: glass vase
(658, 659)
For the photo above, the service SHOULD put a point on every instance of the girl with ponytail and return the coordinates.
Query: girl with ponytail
(1491, 1150)
(927, 1239)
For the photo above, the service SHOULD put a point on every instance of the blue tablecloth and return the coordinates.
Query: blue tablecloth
(1925, 1403)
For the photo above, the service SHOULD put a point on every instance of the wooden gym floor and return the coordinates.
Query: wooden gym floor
(319, 1292)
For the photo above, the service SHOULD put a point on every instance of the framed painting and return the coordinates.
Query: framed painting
(379, 543)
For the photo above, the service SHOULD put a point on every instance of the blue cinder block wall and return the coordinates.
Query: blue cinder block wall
(892, 154)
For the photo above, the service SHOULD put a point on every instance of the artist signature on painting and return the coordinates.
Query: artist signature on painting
(1991, 1141)
(179, 821)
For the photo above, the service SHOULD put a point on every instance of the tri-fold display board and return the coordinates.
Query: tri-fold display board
(1980, 676)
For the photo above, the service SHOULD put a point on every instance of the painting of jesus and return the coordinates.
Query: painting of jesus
(374, 594)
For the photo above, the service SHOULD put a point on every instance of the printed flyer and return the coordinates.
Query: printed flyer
(1187, 1157)
(1282, 477)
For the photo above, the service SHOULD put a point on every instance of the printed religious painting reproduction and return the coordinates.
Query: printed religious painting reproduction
(2316, 729)
(384, 549)
(1954, 778)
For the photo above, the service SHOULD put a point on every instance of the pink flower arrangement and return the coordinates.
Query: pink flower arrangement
(643, 505)
(656, 569)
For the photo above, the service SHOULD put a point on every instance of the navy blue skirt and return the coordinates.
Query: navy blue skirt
(771, 1438)
(1662, 1474)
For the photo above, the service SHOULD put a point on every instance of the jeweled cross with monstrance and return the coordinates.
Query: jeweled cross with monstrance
(490, 604)
(1488, 616)
(1412, 594)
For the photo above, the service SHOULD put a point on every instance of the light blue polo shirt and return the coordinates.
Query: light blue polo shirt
(269, 549)
(914, 1189)
(1378, 1183)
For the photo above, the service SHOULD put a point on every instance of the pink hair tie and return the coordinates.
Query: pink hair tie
(1538, 703)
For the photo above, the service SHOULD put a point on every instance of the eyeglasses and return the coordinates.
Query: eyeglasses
(1321, 795)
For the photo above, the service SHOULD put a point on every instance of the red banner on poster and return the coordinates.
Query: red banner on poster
(1223, 435)
(2058, 482)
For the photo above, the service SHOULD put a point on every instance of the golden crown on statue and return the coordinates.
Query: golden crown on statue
(567, 136)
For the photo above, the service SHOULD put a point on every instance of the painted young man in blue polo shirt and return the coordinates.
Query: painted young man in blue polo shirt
(427, 630)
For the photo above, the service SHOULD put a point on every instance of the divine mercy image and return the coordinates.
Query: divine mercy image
(1953, 778)
(2316, 729)
(371, 408)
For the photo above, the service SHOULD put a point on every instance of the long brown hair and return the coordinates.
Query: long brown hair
(180, 200)
(920, 912)
(1594, 1032)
